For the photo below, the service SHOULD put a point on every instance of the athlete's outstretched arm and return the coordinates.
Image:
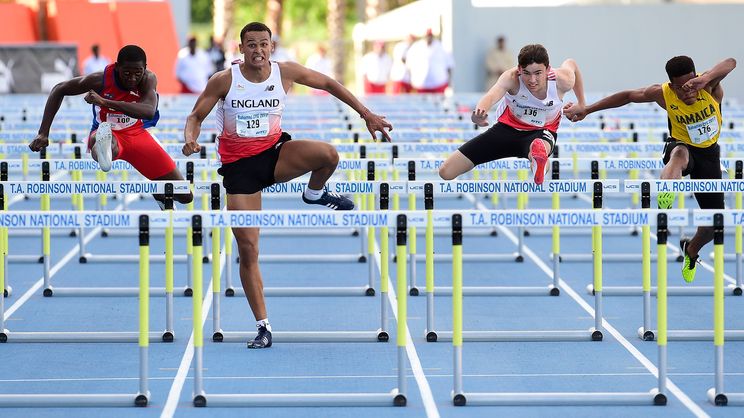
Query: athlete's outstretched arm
(72, 87)
(711, 79)
(653, 93)
(307, 77)
(216, 89)
(507, 81)
(570, 78)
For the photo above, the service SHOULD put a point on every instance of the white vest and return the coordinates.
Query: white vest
(251, 110)
(525, 111)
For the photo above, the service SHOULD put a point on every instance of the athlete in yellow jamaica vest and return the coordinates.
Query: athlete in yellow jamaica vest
(693, 105)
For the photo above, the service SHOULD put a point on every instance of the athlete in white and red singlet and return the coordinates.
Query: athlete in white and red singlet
(256, 153)
(530, 100)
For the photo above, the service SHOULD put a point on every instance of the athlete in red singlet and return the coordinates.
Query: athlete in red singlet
(125, 104)
(530, 100)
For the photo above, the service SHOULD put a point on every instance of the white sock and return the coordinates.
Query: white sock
(311, 194)
(264, 323)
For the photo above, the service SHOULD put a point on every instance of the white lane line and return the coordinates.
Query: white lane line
(174, 394)
(430, 406)
(61, 263)
(648, 364)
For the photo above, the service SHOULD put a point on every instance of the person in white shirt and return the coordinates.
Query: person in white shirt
(96, 62)
(430, 65)
(256, 152)
(280, 53)
(399, 74)
(319, 62)
(193, 68)
(376, 66)
(498, 59)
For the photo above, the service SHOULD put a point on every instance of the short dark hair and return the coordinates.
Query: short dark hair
(679, 66)
(131, 53)
(534, 53)
(254, 27)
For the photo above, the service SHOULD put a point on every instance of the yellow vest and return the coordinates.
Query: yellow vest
(698, 124)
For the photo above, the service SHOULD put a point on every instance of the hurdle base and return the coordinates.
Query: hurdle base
(515, 256)
(128, 258)
(107, 291)
(306, 399)
(25, 258)
(71, 400)
(549, 290)
(79, 337)
(566, 398)
(646, 334)
(311, 291)
(310, 336)
(608, 257)
(700, 335)
(731, 290)
(8, 291)
(724, 399)
(506, 336)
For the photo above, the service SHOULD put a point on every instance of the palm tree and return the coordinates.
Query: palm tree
(375, 8)
(222, 18)
(274, 15)
(337, 49)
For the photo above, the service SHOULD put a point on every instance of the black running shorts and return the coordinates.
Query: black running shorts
(252, 174)
(704, 163)
(503, 141)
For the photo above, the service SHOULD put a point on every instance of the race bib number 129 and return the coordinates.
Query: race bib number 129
(252, 124)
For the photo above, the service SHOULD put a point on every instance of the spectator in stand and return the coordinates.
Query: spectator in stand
(376, 67)
(193, 68)
(399, 74)
(498, 60)
(216, 54)
(319, 62)
(232, 54)
(95, 62)
(430, 65)
(280, 53)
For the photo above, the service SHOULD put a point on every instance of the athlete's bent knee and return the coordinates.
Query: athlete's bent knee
(331, 156)
(446, 173)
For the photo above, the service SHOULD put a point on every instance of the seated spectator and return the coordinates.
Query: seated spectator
(280, 53)
(95, 62)
(193, 68)
(430, 65)
(376, 67)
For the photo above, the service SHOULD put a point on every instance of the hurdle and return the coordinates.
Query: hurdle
(396, 397)
(656, 186)
(552, 187)
(369, 188)
(656, 396)
(312, 219)
(587, 217)
(717, 219)
(140, 398)
(65, 219)
(717, 394)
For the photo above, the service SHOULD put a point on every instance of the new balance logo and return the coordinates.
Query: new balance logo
(270, 88)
